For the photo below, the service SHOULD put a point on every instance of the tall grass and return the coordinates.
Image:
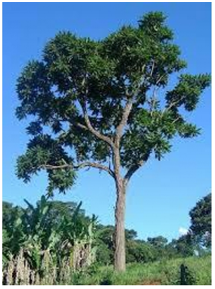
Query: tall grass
(157, 273)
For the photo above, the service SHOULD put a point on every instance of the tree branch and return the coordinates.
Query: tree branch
(152, 101)
(132, 170)
(78, 166)
(91, 128)
(95, 165)
(123, 121)
(81, 125)
(172, 104)
(153, 66)
(127, 109)
(160, 78)
(78, 124)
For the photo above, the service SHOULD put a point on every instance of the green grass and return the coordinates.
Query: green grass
(164, 273)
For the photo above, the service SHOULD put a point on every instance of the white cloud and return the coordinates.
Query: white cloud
(183, 231)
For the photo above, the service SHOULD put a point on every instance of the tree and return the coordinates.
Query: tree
(59, 210)
(201, 221)
(8, 212)
(130, 234)
(13, 235)
(158, 242)
(95, 104)
(140, 252)
(183, 246)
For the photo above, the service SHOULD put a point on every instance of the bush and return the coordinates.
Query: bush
(107, 279)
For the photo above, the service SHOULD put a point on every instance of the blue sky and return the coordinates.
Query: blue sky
(161, 194)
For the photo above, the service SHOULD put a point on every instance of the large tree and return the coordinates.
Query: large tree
(97, 104)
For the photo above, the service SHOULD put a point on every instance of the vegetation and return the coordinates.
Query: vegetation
(166, 272)
(41, 249)
(97, 104)
(201, 221)
(56, 243)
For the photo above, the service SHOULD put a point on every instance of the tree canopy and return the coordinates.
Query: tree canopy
(87, 98)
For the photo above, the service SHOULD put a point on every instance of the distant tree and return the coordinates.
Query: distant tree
(59, 210)
(9, 214)
(104, 255)
(106, 235)
(183, 246)
(201, 221)
(130, 234)
(158, 242)
(95, 104)
(140, 252)
(13, 232)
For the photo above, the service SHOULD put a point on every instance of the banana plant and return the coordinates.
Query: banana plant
(38, 232)
(48, 244)
(79, 238)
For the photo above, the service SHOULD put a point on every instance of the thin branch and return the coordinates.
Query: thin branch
(81, 125)
(175, 120)
(123, 121)
(92, 129)
(152, 101)
(153, 66)
(55, 167)
(160, 78)
(95, 165)
(172, 104)
(78, 166)
(78, 124)
(128, 107)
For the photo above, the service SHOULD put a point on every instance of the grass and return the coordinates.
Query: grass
(157, 273)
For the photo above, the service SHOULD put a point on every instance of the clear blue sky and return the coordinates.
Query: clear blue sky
(162, 193)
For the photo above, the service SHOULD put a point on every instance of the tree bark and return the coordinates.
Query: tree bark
(119, 256)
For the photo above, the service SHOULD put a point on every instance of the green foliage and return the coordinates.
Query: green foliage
(104, 255)
(158, 242)
(140, 252)
(43, 150)
(153, 25)
(188, 90)
(184, 246)
(186, 277)
(201, 221)
(13, 234)
(107, 278)
(157, 273)
(47, 233)
(46, 237)
(101, 76)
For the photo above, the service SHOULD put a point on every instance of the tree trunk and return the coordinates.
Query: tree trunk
(119, 257)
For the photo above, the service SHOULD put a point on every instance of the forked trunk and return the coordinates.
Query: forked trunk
(119, 257)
